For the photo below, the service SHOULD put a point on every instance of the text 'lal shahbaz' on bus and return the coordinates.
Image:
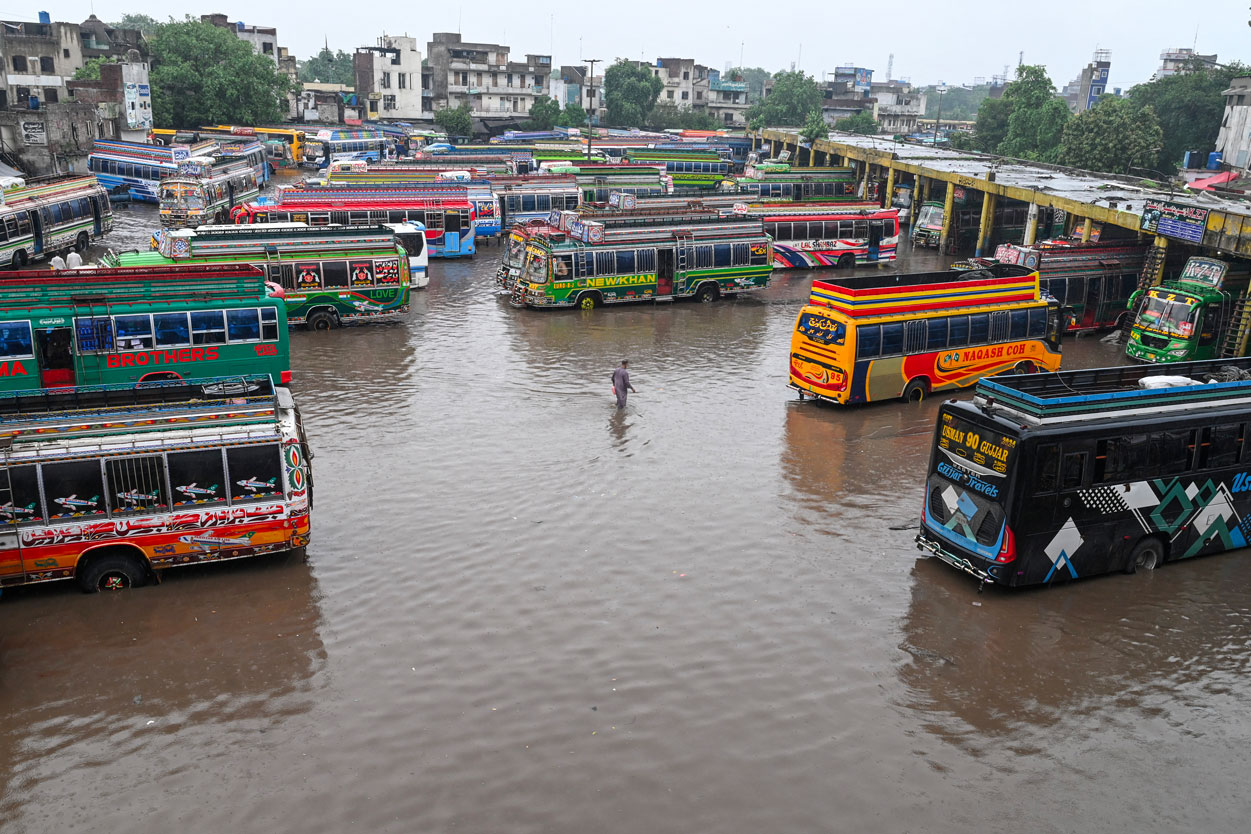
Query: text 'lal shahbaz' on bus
(881, 337)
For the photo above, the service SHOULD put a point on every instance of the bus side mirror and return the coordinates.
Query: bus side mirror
(1133, 299)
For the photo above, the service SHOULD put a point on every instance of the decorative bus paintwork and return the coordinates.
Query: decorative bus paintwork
(689, 168)
(329, 274)
(109, 484)
(1055, 477)
(50, 215)
(135, 169)
(587, 263)
(878, 337)
(819, 235)
(1201, 314)
(100, 326)
(204, 192)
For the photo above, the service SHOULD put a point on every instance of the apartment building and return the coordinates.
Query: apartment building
(482, 76)
(388, 78)
(727, 100)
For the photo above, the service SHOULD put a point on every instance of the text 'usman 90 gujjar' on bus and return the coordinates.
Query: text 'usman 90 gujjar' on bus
(140, 324)
(1053, 477)
(110, 484)
(879, 337)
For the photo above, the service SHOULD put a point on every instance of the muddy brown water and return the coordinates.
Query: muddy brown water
(525, 612)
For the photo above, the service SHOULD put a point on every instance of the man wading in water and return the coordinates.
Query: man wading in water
(621, 382)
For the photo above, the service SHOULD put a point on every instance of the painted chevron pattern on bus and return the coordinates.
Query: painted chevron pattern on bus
(910, 298)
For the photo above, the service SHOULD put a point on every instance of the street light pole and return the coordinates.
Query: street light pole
(590, 128)
(940, 89)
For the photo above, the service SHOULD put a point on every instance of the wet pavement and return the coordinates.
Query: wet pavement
(523, 611)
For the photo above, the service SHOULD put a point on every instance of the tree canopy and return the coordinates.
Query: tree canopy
(755, 78)
(1189, 106)
(1027, 122)
(862, 122)
(630, 93)
(544, 113)
(665, 116)
(1113, 136)
(958, 103)
(90, 71)
(572, 116)
(329, 67)
(992, 124)
(457, 121)
(793, 97)
(144, 23)
(203, 74)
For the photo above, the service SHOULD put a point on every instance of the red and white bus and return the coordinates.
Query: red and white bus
(818, 235)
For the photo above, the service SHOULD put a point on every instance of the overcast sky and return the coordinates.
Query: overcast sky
(953, 41)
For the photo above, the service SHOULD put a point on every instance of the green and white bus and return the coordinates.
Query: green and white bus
(330, 275)
(56, 214)
(139, 324)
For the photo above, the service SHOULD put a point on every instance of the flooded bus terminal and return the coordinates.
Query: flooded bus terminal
(525, 611)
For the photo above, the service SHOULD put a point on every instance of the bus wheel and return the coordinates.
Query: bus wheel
(588, 301)
(112, 571)
(916, 390)
(81, 243)
(1025, 367)
(707, 293)
(321, 320)
(847, 261)
(1148, 554)
(19, 259)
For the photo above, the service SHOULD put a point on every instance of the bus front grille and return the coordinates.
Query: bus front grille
(938, 510)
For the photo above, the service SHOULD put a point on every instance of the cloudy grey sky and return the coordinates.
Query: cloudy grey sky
(953, 41)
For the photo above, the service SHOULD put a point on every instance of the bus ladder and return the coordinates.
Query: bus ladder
(1152, 273)
(99, 355)
(683, 250)
(1239, 330)
(273, 265)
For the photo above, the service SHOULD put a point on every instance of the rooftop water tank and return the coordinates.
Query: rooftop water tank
(44, 17)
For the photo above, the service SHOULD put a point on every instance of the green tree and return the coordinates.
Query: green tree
(456, 121)
(1036, 123)
(755, 78)
(144, 23)
(630, 93)
(958, 103)
(862, 122)
(992, 124)
(1190, 107)
(815, 127)
(202, 74)
(572, 116)
(1112, 136)
(544, 113)
(961, 141)
(90, 71)
(666, 116)
(329, 67)
(793, 97)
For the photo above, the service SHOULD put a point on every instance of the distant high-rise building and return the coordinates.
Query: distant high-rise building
(1179, 61)
(1082, 92)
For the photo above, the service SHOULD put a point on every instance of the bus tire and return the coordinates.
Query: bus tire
(111, 569)
(915, 391)
(1148, 554)
(847, 261)
(19, 259)
(589, 300)
(1026, 367)
(81, 242)
(322, 320)
(707, 293)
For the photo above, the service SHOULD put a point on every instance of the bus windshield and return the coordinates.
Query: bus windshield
(930, 216)
(182, 195)
(1172, 314)
(536, 266)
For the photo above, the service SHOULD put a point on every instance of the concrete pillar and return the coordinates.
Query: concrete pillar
(890, 187)
(1031, 225)
(949, 210)
(864, 185)
(1087, 227)
(987, 225)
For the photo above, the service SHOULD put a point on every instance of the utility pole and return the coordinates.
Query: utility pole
(940, 89)
(590, 127)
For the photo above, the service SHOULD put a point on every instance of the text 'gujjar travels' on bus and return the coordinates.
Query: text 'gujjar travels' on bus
(110, 484)
(880, 337)
(1054, 477)
(139, 324)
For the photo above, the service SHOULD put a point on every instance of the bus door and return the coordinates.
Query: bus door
(664, 271)
(56, 359)
(875, 240)
(36, 219)
(1093, 301)
(11, 563)
(97, 215)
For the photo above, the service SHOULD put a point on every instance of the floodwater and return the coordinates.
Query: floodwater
(523, 611)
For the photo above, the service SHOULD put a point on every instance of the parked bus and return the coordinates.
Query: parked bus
(526, 199)
(204, 191)
(391, 182)
(102, 326)
(878, 337)
(1058, 476)
(1201, 314)
(134, 169)
(49, 215)
(816, 235)
(108, 484)
(447, 220)
(251, 152)
(1008, 225)
(330, 275)
(777, 181)
(284, 146)
(689, 168)
(598, 180)
(589, 263)
(1093, 282)
(328, 145)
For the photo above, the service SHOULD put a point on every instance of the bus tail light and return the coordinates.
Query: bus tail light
(284, 378)
(1007, 551)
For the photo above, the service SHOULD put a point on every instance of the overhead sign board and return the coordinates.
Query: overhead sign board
(1174, 220)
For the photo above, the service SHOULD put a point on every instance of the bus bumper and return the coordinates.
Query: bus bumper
(808, 392)
(924, 542)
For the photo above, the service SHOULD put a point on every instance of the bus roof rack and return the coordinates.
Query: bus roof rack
(1089, 394)
(880, 295)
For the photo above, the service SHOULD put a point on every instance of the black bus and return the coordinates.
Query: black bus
(1057, 476)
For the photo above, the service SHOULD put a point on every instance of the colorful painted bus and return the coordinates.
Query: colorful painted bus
(251, 152)
(204, 191)
(328, 145)
(448, 221)
(599, 180)
(592, 264)
(102, 326)
(1010, 220)
(391, 182)
(109, 484)
(135, 169)
(284, 145)
(1054, 477)
(876, 337)
(689, 168)
(816, 235)
(1202, 314)
(330, 275)
(49, 215)
(778, 181)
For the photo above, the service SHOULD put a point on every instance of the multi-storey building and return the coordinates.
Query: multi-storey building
(1234, 138)
(899, 106)
(388, 79)
(572, 85)
(1179, 61)
(1082, 92)
(481, 76)
(727, 100)
(686, 82)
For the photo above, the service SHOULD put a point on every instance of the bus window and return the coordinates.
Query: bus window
(137, 485)
(15, 340)
(937, 336)
(892, 339)
(958, 331)
(1222, 446)
(25, 505)
(243, 325)
(95, 335)
(1037, 323)
(868, 341)
(979, 328)
(625, 261)
(208, 327)
(1020, 324)
(74, 490)
(133, 332)
(269, 324)
(1173, 452)
(172, 329)
(1073, 473)
(1047, 468)
(197, 478)
(255, 473)
(334, 274)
